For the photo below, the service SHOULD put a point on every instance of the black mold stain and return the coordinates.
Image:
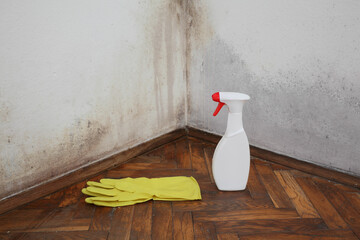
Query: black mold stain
(4, 112)
(53, 160)
(197, 32)
(157, 45)
(170, 72)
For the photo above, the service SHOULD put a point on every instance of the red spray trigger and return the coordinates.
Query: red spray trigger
(217, 110)
(216, 98)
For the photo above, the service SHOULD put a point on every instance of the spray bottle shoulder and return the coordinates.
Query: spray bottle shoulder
(235, 103)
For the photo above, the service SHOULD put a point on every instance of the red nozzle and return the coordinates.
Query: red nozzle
(216, 98)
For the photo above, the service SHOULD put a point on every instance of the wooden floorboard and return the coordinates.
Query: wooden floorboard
(278, 203)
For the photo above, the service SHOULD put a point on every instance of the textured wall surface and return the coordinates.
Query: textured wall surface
(299, 62)
(81, 80)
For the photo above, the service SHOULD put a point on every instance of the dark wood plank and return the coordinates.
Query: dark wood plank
(102, 219)
(162, 223)
(345, 188)
(86, 172)
(98, 177)
(221, 204)
(319, 235)
(326, 210)
(205, 136)
(42, 203)
(73, 225)
(183, 226)
(72, 194)
(297, 196)
(68, 235)
(343, 207)
(205, 231)
(170, 152)
(209, 152)
(198, 162)
(146, 166)
(147, 159)
(183, 154)
(208, 187)
(227, 195)
(273, 187)
(275, 166)
(354, 199)
(141, 224)
(254, 185)
(62, 219)
(196, 148)
(227, 236)
(59, 195)
(247, 227)
(300, 174)
(83, 210)
(121, 223)
(22, 219)
(272, 213)
(155, 152)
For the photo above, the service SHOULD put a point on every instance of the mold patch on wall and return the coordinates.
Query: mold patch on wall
(95, 79)
(301, 76)
(45, 160)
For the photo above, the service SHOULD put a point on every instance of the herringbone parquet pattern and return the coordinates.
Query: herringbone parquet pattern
(279, 203)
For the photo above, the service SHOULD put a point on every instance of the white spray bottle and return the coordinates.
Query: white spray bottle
(231, 160)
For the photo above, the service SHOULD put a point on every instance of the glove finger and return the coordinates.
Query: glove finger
(104, 199)
(125, 196)
(100, 185)
(110, 181)
(102, 191)
(86, 192)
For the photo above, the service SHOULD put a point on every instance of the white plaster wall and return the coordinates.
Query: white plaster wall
(80, 80)
(299, 61)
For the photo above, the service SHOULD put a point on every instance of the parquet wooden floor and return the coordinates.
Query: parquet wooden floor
(279, 203)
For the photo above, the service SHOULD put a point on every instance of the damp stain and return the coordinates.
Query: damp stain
(52, 160)
(4, 112)
(181, 20)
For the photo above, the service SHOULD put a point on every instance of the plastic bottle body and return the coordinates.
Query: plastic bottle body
(231, 160)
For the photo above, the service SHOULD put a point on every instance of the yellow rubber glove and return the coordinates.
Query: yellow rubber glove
(165, 188)
(105, 195)
(129, 191)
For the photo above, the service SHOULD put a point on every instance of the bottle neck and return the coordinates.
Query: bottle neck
(234, 124)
